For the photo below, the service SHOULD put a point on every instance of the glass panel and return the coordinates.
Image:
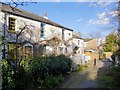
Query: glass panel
(12, 51)
(12, 24)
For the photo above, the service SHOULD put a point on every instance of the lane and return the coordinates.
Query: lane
(90, 81)
(87, 78)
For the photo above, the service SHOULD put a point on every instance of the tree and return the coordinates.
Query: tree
(111, 42)
(94, 34)
(17, 3)
(25, 27)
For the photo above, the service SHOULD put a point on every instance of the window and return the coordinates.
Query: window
(69, 34)
(65, 50)
(61, 49)
(84, 44)
(42, 30)
(12, 24)
(78, 42)
(63, 34)
(12, 50)
(42, 33)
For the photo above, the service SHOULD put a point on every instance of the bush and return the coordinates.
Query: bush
(51, 81)
(7, 76)
(38, 68)
(13, 77)
(107, 81)
(38, 71)
(80, 67)
(112, 77)
(115, 73)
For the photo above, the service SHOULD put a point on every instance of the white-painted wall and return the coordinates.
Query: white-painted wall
(52, 31)
(79, 43)
(80, 52)
(1, 32)
(68, 38)
(67, 34)
(32, 34)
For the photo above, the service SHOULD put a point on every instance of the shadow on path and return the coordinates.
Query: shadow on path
(102, 71)
(74, 79)
(88, 78)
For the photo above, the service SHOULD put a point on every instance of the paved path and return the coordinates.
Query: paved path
(87, 78)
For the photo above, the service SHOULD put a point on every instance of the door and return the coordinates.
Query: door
(28, 52)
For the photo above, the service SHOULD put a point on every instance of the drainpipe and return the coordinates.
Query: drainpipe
(4, 34)
(1, 80)
(118, 24)
(119, 19)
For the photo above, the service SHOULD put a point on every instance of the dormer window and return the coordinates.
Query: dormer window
(11, 24)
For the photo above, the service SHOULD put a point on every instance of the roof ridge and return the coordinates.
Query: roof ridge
(7, 8)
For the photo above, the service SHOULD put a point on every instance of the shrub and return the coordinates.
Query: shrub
(115, 73)
(13, 76)
(107, 80)
(51, 81)
(112, 77)
(80, 67)
(7, 76)
(38, 68)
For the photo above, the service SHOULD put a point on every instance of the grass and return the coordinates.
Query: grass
(80, 67)
(110, 79)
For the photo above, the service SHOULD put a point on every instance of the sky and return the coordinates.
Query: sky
(85, 17)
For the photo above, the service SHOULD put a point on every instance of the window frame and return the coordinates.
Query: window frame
(12, 49)
(14, 22)
(42, 31)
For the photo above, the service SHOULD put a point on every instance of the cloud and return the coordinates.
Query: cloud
(102, 19)
(113, 13)
(51, 0)
(56, 0)
(79, 20)
(101, 3)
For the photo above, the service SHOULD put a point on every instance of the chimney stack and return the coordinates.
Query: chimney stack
(45, 15)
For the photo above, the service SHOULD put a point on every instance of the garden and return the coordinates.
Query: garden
(36, 72)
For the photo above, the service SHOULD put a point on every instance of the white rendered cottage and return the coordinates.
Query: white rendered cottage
(37, 33)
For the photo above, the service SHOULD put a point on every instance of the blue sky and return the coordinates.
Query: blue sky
(83, 17)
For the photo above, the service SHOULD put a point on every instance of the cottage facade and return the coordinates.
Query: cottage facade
(35, 33)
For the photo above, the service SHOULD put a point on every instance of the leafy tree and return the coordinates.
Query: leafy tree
(111, 42)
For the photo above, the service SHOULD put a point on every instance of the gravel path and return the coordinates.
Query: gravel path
(87, 78)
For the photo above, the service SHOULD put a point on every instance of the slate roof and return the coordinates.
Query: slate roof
(22, 13)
